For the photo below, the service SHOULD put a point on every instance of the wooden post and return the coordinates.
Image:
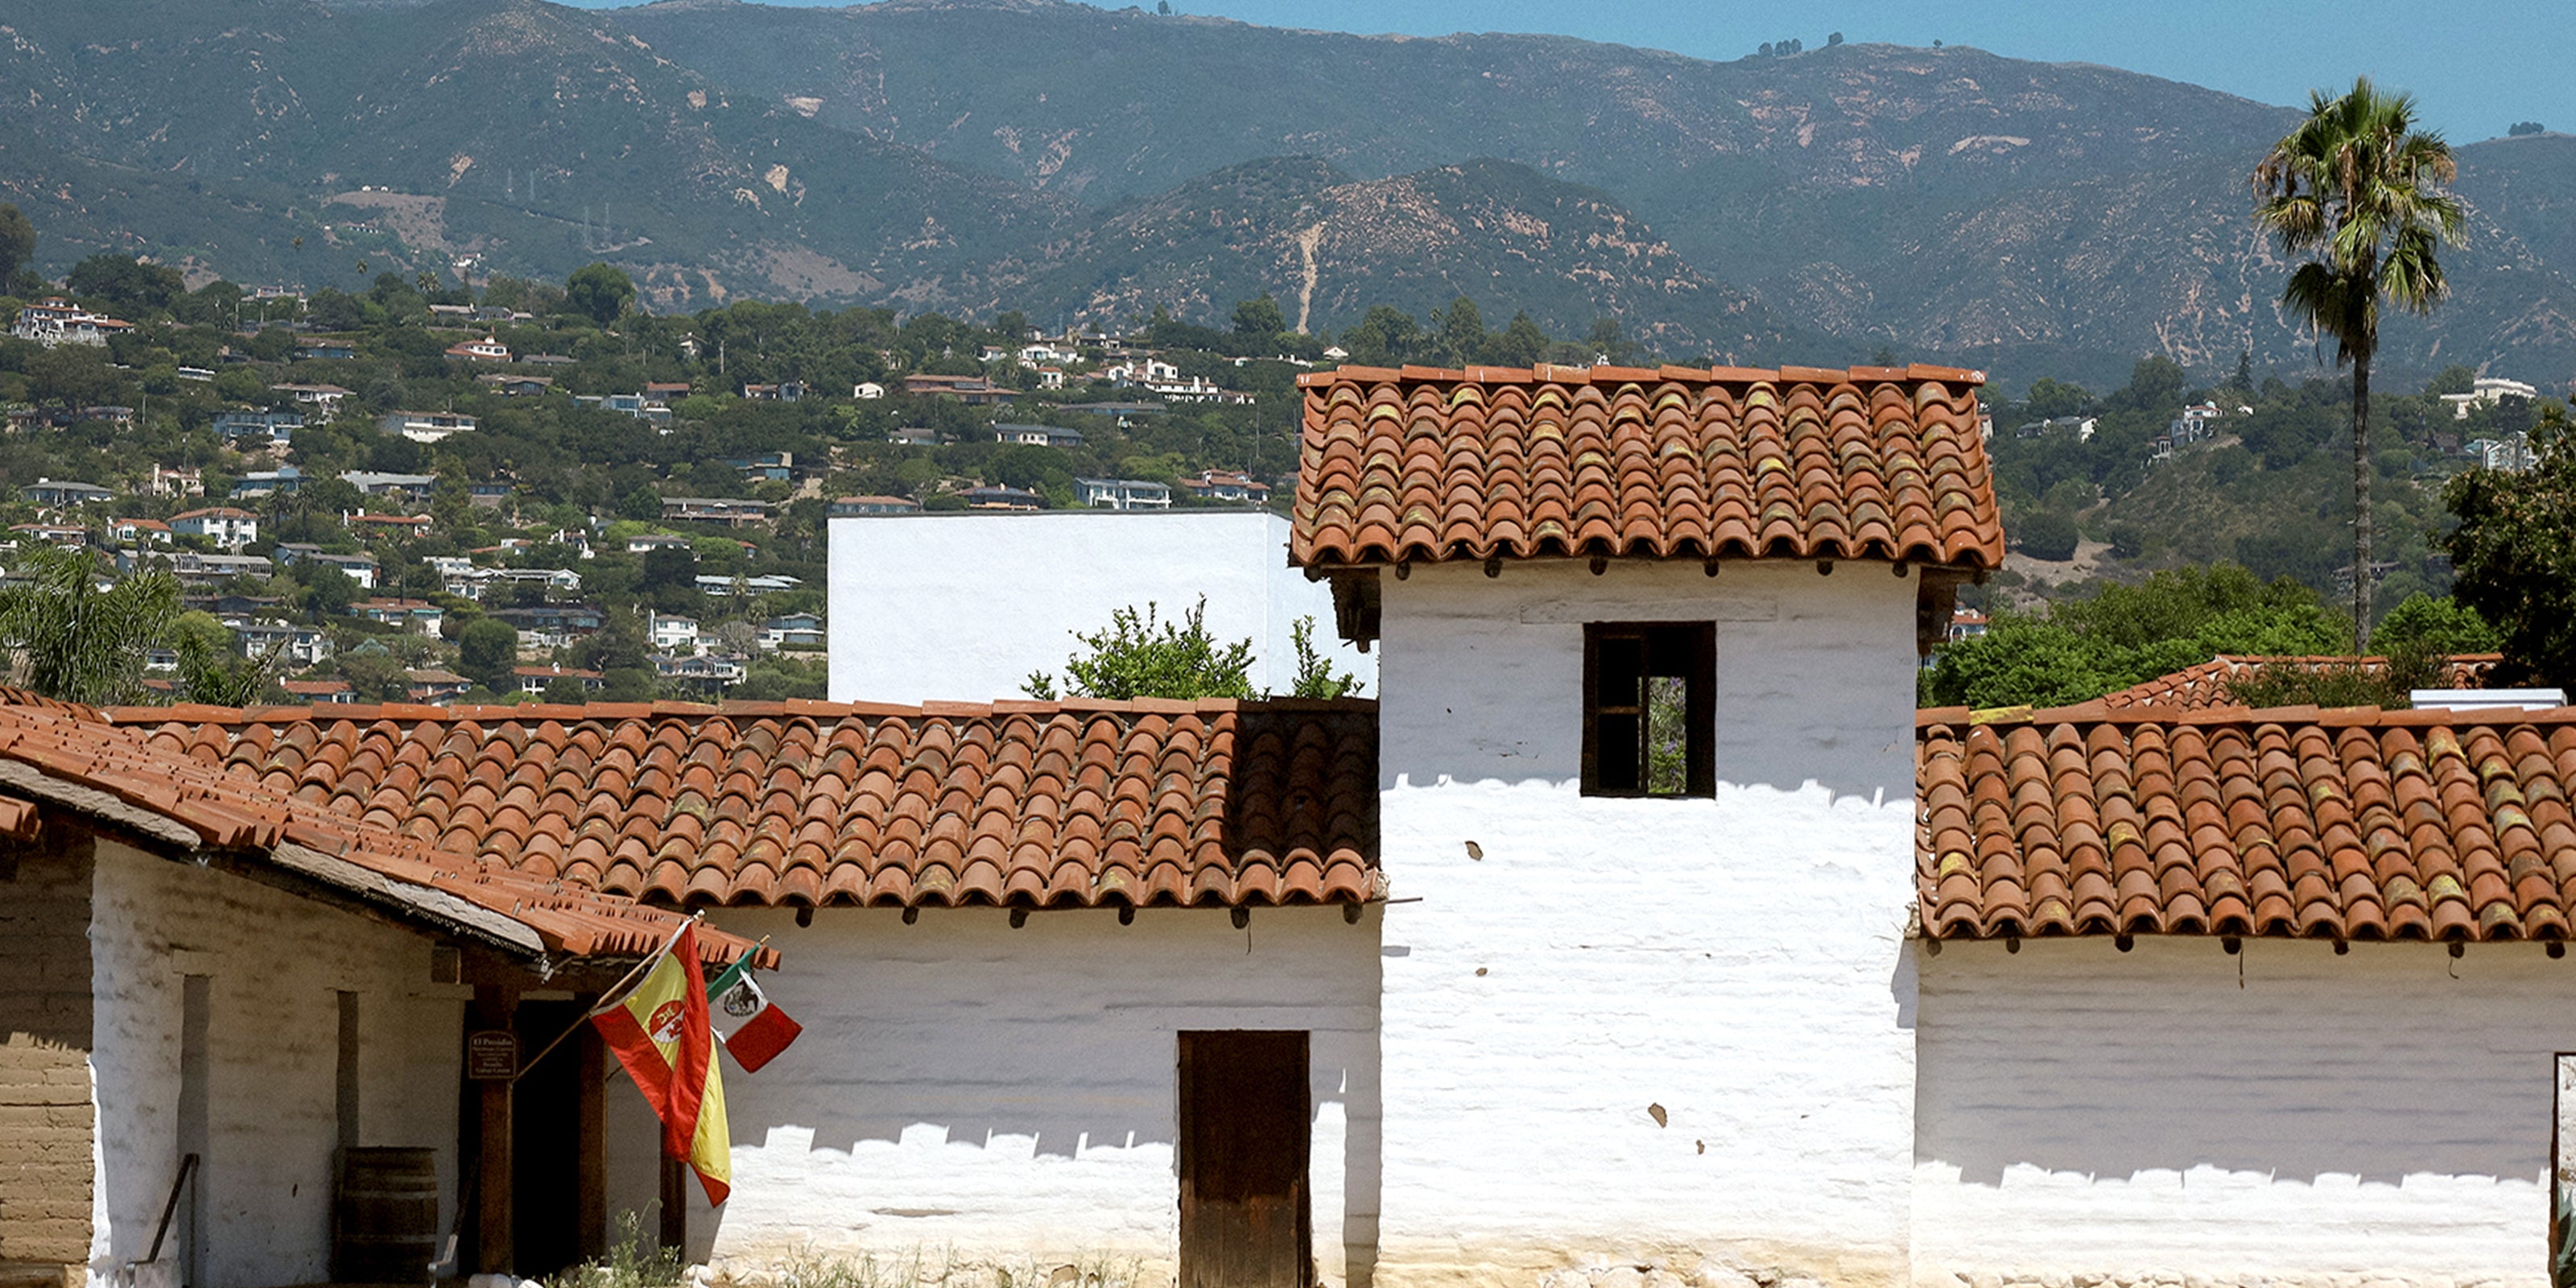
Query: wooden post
(590, 1170)
(494, 1008)
(675, 1203)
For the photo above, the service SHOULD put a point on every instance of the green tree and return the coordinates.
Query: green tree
(2356, 189)
(125, 280)
(1520, 344)
(2453, 379)
(76, 641)
(1138, 656)
(2513, 557)
(1259, 318)
(211, 674)
(2444, 627)
(17, 243)
(599, 292)
(2047, 534)
(486, 650)
(2050, 399)
(1461, 328)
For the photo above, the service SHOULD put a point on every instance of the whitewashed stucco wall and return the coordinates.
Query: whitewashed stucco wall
(1736, 963)
(960, 608)
(2321, 1120)
(963, 1086)
(275, 964)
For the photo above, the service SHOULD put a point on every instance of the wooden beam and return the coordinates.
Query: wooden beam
(494, 1240)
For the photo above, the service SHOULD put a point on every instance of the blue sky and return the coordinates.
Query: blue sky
(2478, 65)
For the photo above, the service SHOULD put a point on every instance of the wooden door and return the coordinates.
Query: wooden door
(1245, 1136)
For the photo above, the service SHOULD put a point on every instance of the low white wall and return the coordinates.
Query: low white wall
(1004, 1094)
(276, 963)
(961, 607)
(1735, 964)
(2317, 1120)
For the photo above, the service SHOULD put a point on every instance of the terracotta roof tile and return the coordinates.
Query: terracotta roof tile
(1073, 804)
(1672, 462)
(2295, 822)
(72, 758)
(2205, 685)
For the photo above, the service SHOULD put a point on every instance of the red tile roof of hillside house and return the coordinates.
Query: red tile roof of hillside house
(1026, 804)
(2195, 688)
(2295, 823)
(68, 757)
(1670, 462)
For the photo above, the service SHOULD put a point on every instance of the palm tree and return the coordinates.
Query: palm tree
(76, 640)
(2356, 188)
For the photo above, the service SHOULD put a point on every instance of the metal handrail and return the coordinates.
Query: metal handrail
(187, 1172)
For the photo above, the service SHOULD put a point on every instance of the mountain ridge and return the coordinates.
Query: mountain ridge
(1073, 161)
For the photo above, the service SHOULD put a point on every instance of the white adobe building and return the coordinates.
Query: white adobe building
(1641, 932)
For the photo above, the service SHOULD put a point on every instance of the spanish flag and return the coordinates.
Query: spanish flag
(662, 1033)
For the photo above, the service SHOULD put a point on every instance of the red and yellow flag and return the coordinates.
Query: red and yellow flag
(663, 1035)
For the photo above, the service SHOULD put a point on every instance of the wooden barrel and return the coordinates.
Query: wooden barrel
(384, 1219)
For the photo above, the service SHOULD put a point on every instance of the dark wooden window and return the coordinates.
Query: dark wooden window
(1648, 708)
(1244, 1143)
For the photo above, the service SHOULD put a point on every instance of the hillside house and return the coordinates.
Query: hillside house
(551, 625)
(139, 532)
(1122, 494)
(419, 616)
(435, 686)
(671, 632)
(511, 386)
(708, 671)
(253, 429)
(641, 406)
(224, 525)
(297, 645)
(849, 507)
(360, 568)
(319, 692)
(55, 320)
(794, 631)
(775, 467)
(2487, 391)
(175, 482)
(259, 483)
(425, 426)
(326, 350)
(370, 525)
(69, 536)
(384, 483)
(867, 391)
(784, 391)
(325, 398)
(1227, 485)
(1038, 435)
(973, 390)
(64, 492)
(538, 679)
(487, 349)
(732, 512)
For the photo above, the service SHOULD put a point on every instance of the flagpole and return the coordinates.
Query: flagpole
(614, 991)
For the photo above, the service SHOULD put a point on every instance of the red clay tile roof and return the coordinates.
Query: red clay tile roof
(2350, 824)
(2196, 688)
(1078, 804)
(1671, 462)
(72, 759)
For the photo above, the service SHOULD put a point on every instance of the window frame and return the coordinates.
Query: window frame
(1699, 705)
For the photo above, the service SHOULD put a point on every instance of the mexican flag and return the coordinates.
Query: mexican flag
(661, 1032)
(761, 1030)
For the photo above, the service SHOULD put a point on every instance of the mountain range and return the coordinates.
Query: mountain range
(1075, 162)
